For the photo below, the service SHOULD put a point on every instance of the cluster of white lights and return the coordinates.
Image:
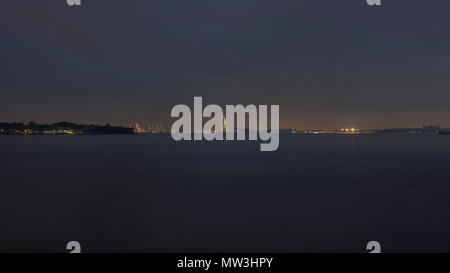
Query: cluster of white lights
(349, 130)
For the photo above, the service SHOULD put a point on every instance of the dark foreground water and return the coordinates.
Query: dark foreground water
(150, 194)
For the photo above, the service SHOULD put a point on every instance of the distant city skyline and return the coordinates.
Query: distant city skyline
(158, 124)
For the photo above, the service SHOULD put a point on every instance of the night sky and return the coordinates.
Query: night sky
(327, 63)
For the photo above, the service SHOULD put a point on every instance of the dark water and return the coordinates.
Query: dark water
(150, 194)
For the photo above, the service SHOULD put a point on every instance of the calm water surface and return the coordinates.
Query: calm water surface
(151, 194)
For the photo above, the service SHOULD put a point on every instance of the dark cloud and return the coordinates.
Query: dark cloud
(326, 62)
